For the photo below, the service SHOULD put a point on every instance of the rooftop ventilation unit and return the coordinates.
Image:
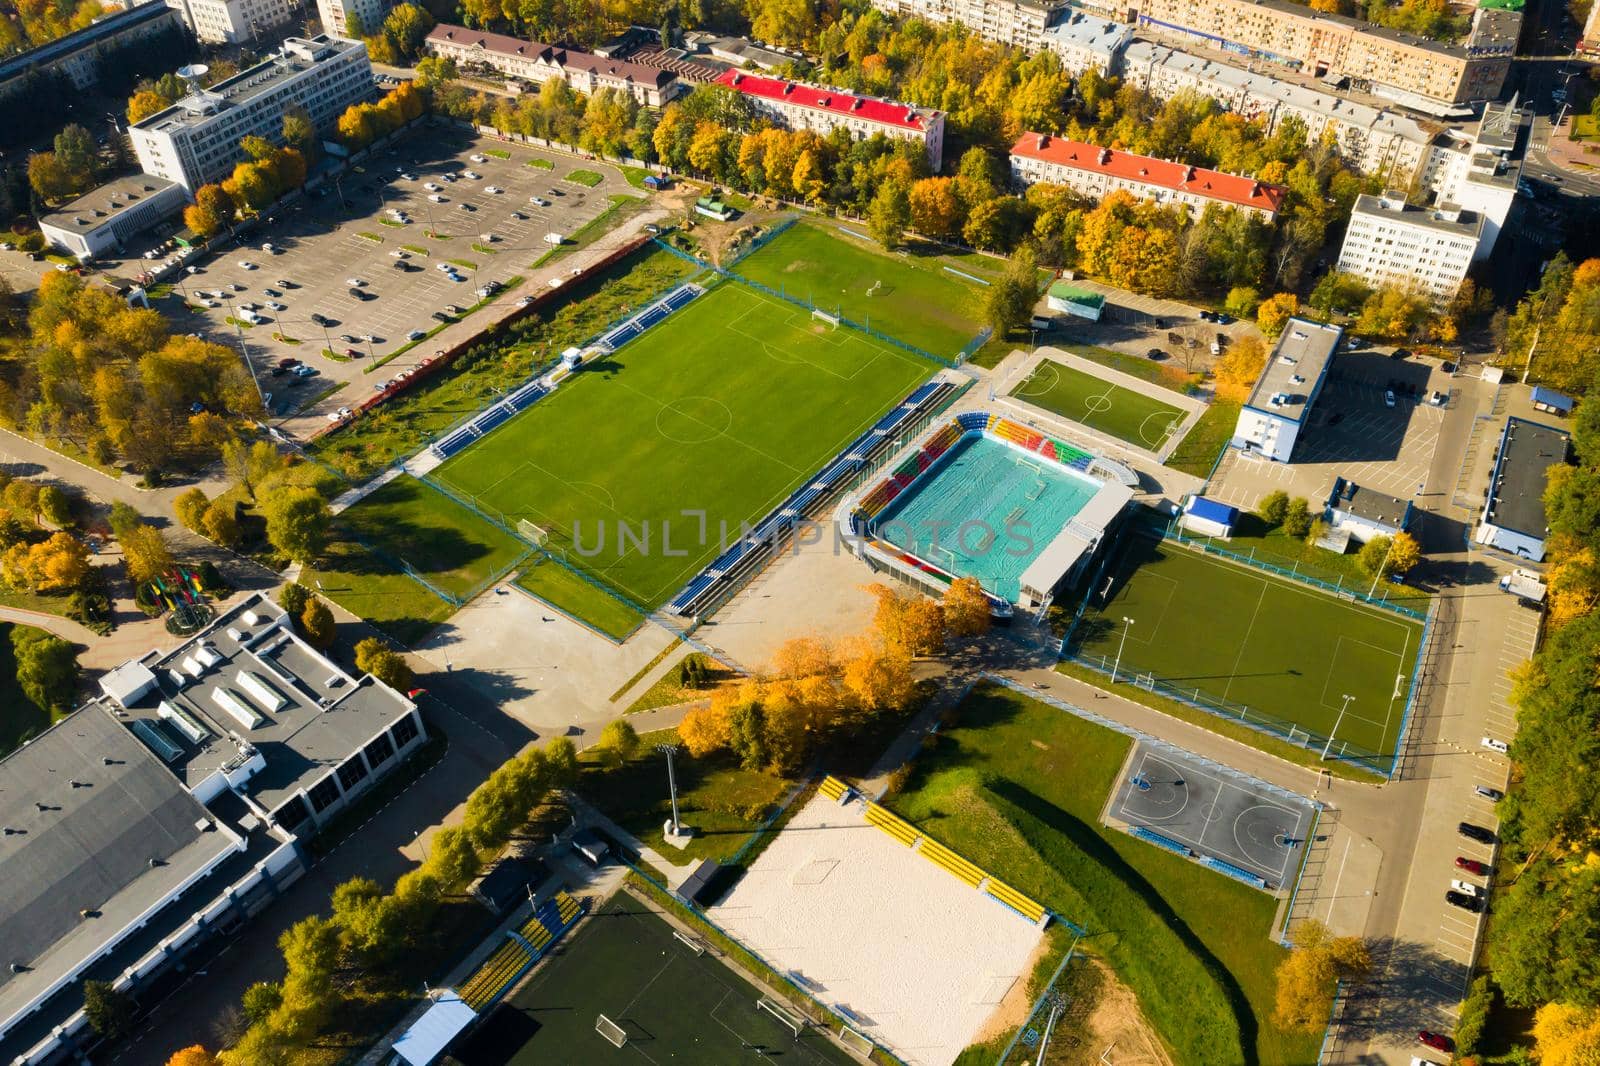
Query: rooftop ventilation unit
(258, 690)
(156, 739)
(183, 722)
(236, 709)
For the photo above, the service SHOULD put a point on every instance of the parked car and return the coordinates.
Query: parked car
(245, 264)
(357, 282)
(1464, 901)
(274, 293)
(1155, 353)
(1495, 745)
(288, 361)
(1466, 888)
(436, 198)
(1207, 316)
(1388, 397)
(1476, 832)
(1400, 353)
(1493, 795)
(442, 317)
(416, 335)
(477, 159)
(400, 254)
(319, 319)
(303, 371)
(471, 175)
(539, 200)
(432, 186)
(285, 283)
(1437, 1041)
(519, 216)
(495, 189)
(1472, 866)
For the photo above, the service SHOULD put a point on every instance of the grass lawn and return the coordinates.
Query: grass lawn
(584, 177)
(623, 962)
(1141, 420)
(724, 803)
(1017, 787)
(724, 408)
(909, 297)
(401, 426)
(1243, 639)
(571, 594)
(1197, 453)
(540, 164)
(20, 718)
(1585, 128)
(444, 542)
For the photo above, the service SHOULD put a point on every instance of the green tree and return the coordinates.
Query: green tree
(297, 522)
(561, 762)
(46, 668)
(619, 742)
(747, 726)
(889, 215)
(1297, 518)
(260, 1000)
(384, 663)
(1382, 556)
(293, 598)
(56, 506)
(316, 622)
(110, 1012)
(1008, 302)
(1242, 301)
(221, 523)
(124, 519)
(1273, 507)
(1474, 1015)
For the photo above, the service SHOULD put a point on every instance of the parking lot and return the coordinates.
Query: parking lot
(345, 255)
(1354, 434)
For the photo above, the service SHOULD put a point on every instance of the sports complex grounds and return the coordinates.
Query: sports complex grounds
(1299, 662)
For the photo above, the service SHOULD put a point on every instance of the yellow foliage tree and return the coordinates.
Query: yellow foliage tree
(58, 564)
(966, 608)
(194, 1055)
(1240, 365)
(800, 657)
(1566, 1035)
(908, 625)
(1307, 978)
(705, 730)
(1275, 312)
(877, 678)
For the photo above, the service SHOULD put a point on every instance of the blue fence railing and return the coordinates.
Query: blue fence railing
(761, 241)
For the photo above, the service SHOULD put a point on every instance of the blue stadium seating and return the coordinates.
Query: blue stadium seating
(1238, 873)
(1160, 841)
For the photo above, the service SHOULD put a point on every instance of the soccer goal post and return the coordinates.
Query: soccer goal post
(610, 1030)
(791, 1021)
(855, 1041)
(532, 532)
(828, 317)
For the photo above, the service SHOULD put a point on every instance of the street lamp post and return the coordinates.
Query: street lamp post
(675, 827)
(1337, 722)
(1127, 623)
(1374, 586)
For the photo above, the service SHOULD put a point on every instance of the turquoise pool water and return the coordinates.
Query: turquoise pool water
(985, 510)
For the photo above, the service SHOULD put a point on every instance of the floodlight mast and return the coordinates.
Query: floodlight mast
(669, 750)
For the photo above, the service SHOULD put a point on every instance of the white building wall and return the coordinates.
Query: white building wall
(1265, 434)
(335, 15)
(232, 21)
(1381, 247)
(1510, 541)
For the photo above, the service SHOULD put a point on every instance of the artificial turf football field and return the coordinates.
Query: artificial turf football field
(724, 408)
(674, 1005)
(1141, 420)
(1244, 639)
(909, 297)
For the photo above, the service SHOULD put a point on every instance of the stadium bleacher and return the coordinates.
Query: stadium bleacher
(520, 951)
(1161, 841)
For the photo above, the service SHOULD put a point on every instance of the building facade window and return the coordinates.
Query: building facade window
(404, 731)
(379, 751)
(324, 794)
(352, 772)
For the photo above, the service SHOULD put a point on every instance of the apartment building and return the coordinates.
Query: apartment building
(1390, 241)
(1019, 23)
(77, 55)
(1373, 140)
(798, 106)
(1479, 169)
(1402, 67)
(172, 809)
(196, 140)
(1087, 42)
(111, 215)
(336, 16)
(530, 61)
(232, 21)
(1096, 171)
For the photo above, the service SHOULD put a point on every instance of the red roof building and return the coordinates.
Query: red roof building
(535, 62)
(797, 106)
(1096, 171)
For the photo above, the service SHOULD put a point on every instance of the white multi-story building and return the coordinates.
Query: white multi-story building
(173, 808)
(112, 214)
(196, 140)
(1390, 241)
(1479, 171)
(232, 21)
(1373, 140)
(531, 61)
(335, 15)
(798, 106)
(1020, 23)
(1087, 42)
(1279, 406)
(78, 56)
(1096, 171)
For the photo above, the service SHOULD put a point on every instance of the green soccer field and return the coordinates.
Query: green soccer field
(1249, 641)
(910, 297)
(1141, 420)
(720, 411)
(674, 1005)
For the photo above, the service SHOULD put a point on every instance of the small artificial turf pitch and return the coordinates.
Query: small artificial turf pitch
(909, 297)
(1141, 420)
(674, 1005)
(1250, 642)
(720, 411)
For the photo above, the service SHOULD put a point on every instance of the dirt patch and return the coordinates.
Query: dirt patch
(1013, 1009)
(1117, 1022)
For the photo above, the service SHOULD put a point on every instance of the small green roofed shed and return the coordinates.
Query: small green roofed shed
(1082, 303)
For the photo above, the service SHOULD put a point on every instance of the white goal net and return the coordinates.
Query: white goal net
(610, 1030)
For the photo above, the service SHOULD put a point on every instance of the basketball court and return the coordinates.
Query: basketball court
(1232, 818)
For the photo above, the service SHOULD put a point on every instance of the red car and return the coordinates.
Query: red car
(288, 362)
(1437, 1041)
(1472, 866)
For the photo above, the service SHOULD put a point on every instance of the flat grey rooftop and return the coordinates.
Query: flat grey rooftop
(297, 56)
(1295, 366)
(1465, 223)
(93, 822)
(1527, 452)
(1370, 504)
(324, 713)
(100, 206)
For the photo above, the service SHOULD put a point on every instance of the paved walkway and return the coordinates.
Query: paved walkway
(64, 628)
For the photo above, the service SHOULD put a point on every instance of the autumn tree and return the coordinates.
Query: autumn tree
(1308, 976)
(1567, 1035)
(907, 625)
(877, 678)
(1241, 364)
(146, 554)
(618, 742)
(143, 104)
(966, 608)
(193, 1055)
(212, 209)
(705, 729)
(1382, 556)
(800, 657)
(316, 622)
(59, 563)
(297, 522)
(1275, 312)
(220, 523)
(190, 507)
(384, 663)
(55, 506)
(935, 208)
